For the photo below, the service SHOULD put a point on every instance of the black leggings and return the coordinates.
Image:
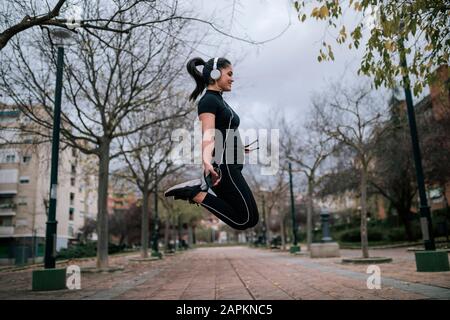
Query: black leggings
(234, 203)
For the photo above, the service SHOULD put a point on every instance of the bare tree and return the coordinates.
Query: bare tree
(109, 77)
(146, 154)
(353, 117)
(175, 213)
(306, 148)
(393, 174)
(17, 16)
(276, 197)
(274, 190)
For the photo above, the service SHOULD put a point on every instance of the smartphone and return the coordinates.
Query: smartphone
(208, 178)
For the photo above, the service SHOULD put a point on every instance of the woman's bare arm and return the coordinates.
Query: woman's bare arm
(208, 136)
(208, 126)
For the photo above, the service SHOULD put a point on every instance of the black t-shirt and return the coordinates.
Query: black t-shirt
(213, 102)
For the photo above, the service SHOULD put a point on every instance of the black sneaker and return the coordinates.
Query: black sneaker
(185, 191)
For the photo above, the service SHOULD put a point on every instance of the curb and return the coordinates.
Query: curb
(367, 260)
(102, 270)
(392, 246)
(60, 262)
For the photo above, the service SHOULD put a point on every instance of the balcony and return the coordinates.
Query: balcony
(7, 212)
(6, 231)
(8, 189)
(8, 182)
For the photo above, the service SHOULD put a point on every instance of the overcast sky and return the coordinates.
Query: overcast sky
(279, 75)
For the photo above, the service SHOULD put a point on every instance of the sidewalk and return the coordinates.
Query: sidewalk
(243, 273)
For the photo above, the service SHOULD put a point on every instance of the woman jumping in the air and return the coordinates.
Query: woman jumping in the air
(233, 201)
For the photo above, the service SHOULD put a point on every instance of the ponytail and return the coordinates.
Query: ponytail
(198, 77)
(203, 78)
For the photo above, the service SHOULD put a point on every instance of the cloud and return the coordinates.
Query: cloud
(281, 74)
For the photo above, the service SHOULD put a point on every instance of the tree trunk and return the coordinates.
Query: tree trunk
(145, 220)
(444, 190)
(190, 235)
(102, 215)
(174, 233)
(283, 232)
(166, 233)
(404, 215)
(364, 239)
(194, 241)
(309, 213)
(179, 230)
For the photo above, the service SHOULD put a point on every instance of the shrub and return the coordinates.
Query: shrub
(397, 234)
(354, 235)
(88, 249)
(440, 214)
(78, 251)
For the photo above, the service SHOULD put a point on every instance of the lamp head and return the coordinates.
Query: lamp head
(60, 36)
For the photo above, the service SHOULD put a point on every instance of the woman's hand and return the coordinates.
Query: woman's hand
(209, 169)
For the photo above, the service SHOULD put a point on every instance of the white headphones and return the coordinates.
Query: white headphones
(215, 73)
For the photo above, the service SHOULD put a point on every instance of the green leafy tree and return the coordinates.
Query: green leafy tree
(387, 23)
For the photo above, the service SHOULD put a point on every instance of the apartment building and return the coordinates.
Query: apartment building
(24, 193)
(120, 199)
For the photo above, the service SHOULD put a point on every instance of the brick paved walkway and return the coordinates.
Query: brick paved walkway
(243, 273)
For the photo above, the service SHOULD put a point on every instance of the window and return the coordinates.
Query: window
(7, 204)
(70, 231)
(6, 221)
(22, 223)
(72, 198)
(436, 195)
(72, 181)
(22, 201)
(26, 159)
(10, 158)
(9, 113)
(28, 139)
(24, 119)
(428, 113)
(71, 212)
(24, 180)
(9, 175)
(74, 152)
(73, 169)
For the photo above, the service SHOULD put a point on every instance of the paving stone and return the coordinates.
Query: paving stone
(243, 273)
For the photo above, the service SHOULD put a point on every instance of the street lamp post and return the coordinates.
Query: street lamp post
(50, 235)
(294, 248)
(155, 247)
(51, 278)
(425, 220)
(429, 260)
(264, 222)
